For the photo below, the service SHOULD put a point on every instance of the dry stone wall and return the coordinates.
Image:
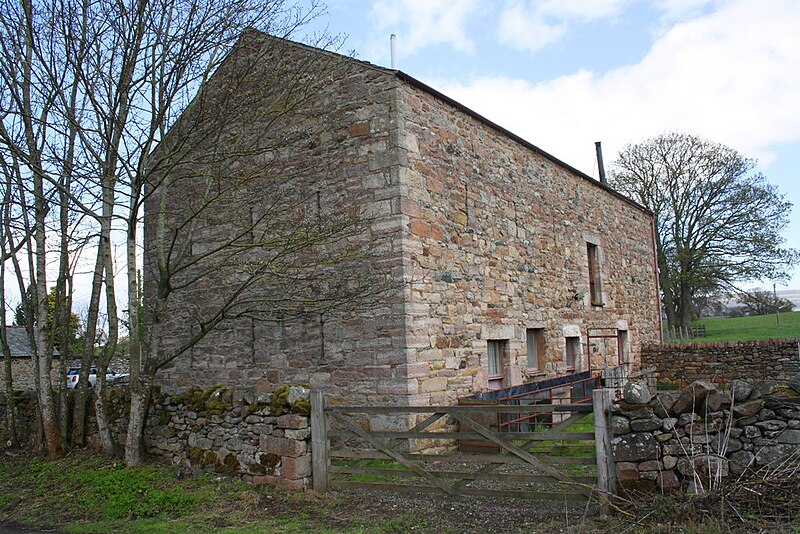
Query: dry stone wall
(264, 438)
(682, 363)
(692, 440)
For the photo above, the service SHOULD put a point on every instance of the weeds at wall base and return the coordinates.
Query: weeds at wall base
(763, 500)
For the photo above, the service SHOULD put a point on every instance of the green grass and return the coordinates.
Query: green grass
(85, 493)
(91, 494)
(750, 328)
(80, 487)
(578, 448)
(376, 464)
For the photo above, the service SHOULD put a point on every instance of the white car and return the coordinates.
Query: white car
(73, 376)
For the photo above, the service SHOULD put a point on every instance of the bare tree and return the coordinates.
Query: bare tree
(24, 135)
(718, 221)
(233, 222)
(43, 149)
(155, 56)
(10, 248)
(116, 125)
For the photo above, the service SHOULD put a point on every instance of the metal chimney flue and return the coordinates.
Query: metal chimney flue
(601, 168)
(393, 46)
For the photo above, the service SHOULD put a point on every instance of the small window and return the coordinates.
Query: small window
(595, 287)
(622, 346)
(573, 352)
(534, 338)
(496, 353)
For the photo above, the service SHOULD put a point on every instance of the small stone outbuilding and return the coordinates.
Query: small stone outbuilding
(21, 358)
(514, 266)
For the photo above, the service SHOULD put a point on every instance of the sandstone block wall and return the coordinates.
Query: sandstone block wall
(682, 363)
(485, 235)
(692, 440)
(334, 153)
(497, 244)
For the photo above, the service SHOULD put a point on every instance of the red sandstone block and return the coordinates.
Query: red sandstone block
(627, 471)
(420, 228)
(281, 446)
(409, 207)
(358, 129)
(292, 421)
(295, 468)
(434, 185)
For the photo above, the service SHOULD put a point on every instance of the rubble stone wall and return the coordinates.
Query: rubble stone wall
(683, 363)
(21, 374)
(485, 235)
(692, 440)
(497, 244)
(336, 153)
(264, 438)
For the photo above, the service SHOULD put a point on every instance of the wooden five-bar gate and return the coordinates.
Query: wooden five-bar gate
(561, 451)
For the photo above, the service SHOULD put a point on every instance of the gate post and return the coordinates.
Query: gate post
(602, 400)
(319, 442)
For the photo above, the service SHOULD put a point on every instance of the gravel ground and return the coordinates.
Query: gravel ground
(440, 513)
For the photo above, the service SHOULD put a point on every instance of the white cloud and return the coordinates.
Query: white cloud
(421, 23)
(532, 25)
(676, 10)
(730, 76)
(581, 9)
(522, 27)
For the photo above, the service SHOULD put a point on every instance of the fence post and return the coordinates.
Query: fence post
(319, 442)
(602, 400)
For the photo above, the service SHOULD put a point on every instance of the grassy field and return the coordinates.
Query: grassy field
(751, 328)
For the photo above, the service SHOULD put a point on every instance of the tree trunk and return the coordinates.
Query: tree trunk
(63, 314)
(664, 283)
(101, 404)
(101, 412)
(11, 413)
(82, 392)
(47, 408)
(43, 343)
(685, 307)
(140, 401)
(134, 300)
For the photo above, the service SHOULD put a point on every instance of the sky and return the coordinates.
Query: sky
(565, 73)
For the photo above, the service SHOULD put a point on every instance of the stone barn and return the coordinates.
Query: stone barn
(511, 265)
